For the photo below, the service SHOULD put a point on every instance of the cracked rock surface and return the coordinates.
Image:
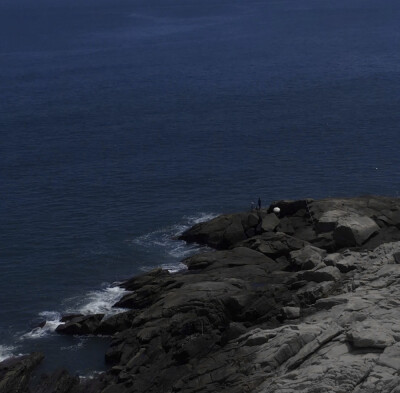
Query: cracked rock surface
(304, 301)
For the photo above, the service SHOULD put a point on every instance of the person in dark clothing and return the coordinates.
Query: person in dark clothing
(259, 203)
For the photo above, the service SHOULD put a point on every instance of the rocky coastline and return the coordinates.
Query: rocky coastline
(305, 300)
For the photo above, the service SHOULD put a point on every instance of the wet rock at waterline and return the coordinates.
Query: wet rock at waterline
(299, 301)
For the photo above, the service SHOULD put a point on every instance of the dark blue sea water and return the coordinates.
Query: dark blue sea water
(123, 122)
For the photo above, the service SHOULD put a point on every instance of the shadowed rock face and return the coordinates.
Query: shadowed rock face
(281, 307)
(330, 224)
(15, 372)
(81, 325)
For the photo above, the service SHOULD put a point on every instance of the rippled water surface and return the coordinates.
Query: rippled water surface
(124, 122)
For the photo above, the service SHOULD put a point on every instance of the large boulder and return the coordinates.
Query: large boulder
(269, 222)
(349, 228)
(353, 230)
(369, 334)
(307, 258)
(329, 220)
(328, 273)
(81, 325)
(233, 234)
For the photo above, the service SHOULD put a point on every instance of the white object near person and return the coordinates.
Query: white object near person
(276, 210)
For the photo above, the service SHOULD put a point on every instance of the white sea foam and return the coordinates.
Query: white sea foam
(165, 239)
(91, 375)
(52, 319)
(101, 301)
(95, 302)
(98, 301)
(6, 352)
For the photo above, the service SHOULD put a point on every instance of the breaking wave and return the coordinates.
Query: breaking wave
(101, 301)
(6, 352)
(94, 302)
(165, 240)
(51, 320)
(97, 302)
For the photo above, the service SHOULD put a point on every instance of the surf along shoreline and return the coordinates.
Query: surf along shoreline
(241, 315)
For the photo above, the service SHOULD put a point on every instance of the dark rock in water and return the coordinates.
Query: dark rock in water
(224, 231)
(81, 325)
(39, 325)
(15, 372)
(290, 309)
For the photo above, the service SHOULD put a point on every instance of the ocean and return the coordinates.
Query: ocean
(125, 122)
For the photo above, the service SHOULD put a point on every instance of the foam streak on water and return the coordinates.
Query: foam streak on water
(95, 302)
(101, 301)
(52, 319)
(6, 352)
(165, 239)
(98, 301)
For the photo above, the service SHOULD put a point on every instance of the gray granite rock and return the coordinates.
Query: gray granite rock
(307, 258)
(232, 323)
(269, 222)
(328, 273)
(291, 312)
(369, 334)
(328, 221)
(354, 230)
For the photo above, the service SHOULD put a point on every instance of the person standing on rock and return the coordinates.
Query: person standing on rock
(259, 203)
(252, 206)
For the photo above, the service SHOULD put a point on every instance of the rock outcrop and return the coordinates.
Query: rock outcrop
(307, 301)
(15, 373)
